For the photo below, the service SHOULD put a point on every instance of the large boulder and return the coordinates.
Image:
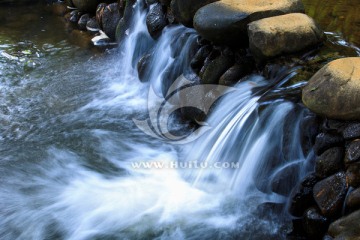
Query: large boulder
(334, 91)
(225, 22)
(274, 36)
(184, 10)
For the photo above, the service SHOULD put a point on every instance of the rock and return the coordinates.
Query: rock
(325, 141)
(334, 91)
(274, 36)
(125, 20)
(315, 224)
(353, 175)
(237, 71)
(99, 13)
(284, 180)
(170, 16)
(92, 25)
(352, 131)
(142, 66)
(198, 60)
(225, 22)
(330, 162)
(331, 125)
(353, 199)
(184, 10)
(302, 196)
(347, 227)
(211, 73)
(83, 21)
(329, 194)
(353, 152)
(156, 20)
(110, 19)
(309, 126)
(74, 16)
(88, 5)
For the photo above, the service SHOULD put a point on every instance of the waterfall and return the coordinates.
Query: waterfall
(89, 173)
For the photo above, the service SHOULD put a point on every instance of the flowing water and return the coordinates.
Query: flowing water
(70, 150)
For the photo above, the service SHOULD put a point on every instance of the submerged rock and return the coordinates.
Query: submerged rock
(225, 22)
(334, 91)
(156, 20)
(329, 194)
(274, 36)
(184, 10)
(347, 227)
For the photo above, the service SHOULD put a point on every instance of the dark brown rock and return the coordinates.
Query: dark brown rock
(110, 20)
(330, 162)
(156, 20)
(302, 196)
(325, 141)
(142, 67)
(353, 199)
(347, 227)
(353, 175)
(329, 194)
(237, 71)
(211, 73)
(315, 224)
(198, 60)
(83, 21)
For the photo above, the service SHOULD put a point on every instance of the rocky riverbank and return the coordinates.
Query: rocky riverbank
(240, 37)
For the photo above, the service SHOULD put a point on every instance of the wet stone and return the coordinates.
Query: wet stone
(352, 131)
(353, 152)
(330, 162)
(353, 200)
(353, 175)
(329, 194)
(83, 21)
(325, 141)
(315, 224)
(302, 196)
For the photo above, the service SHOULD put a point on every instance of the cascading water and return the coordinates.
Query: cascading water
(72, 173)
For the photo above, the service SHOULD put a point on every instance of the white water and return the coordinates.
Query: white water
(82, 185)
